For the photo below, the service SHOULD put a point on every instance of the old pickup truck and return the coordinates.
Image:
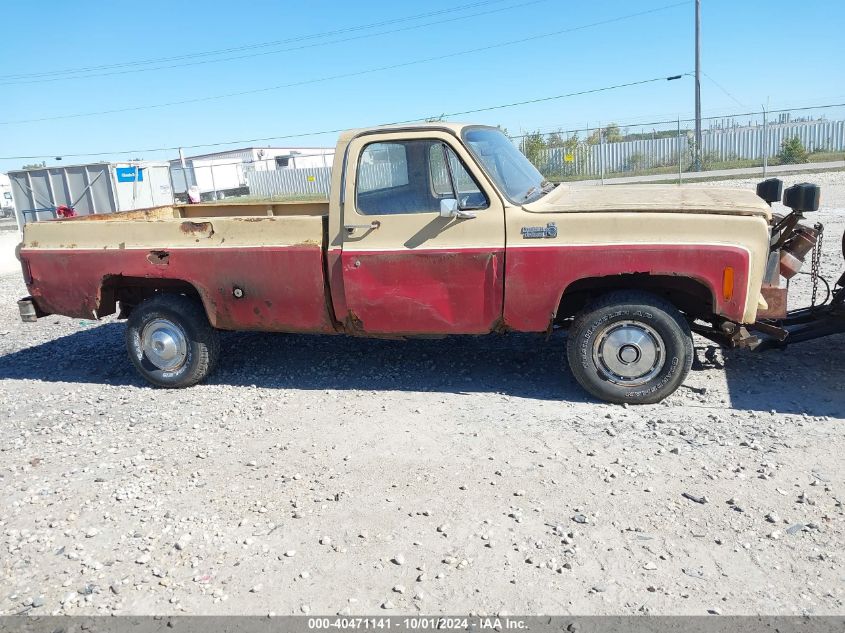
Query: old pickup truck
(430, 230)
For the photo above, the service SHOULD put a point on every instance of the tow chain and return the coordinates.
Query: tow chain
(816, 262)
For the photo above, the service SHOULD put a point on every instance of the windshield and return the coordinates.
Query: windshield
(515, 176)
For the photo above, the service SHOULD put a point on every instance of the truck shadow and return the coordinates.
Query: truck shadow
(518, 364)
(804, 378)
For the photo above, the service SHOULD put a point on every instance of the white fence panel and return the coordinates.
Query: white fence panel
(717, 144)
(317, 181)
(280, 182)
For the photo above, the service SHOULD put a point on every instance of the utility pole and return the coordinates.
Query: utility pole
(697, 85)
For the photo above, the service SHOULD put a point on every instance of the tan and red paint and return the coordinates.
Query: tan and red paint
(304, 288)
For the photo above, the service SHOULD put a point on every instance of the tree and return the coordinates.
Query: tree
(556, 140)
(35, 165)
(792, 152)
(534, 147)
(610, 133)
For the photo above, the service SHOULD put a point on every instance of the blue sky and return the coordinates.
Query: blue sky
(779, 52)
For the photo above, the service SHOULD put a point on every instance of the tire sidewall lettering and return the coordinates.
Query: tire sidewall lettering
(588, 339)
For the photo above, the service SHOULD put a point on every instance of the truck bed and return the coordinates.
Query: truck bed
(254, 265)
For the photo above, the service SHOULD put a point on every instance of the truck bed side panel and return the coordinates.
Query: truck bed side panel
(261, 273)
(281, 287)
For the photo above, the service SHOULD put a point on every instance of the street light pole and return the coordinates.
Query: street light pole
(697, 85)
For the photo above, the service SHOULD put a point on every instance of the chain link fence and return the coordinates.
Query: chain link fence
(658, 150)
(667, 148)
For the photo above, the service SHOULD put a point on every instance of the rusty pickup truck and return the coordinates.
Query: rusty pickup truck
(430, 230)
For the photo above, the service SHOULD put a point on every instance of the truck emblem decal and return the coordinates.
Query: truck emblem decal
(536, 232)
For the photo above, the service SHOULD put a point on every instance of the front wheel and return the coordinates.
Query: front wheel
(171, 342)
(630, 347)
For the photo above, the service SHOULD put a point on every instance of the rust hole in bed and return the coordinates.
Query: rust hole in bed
(197, 229)
(159, 258)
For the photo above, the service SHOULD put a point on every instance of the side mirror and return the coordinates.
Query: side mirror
(448, 208)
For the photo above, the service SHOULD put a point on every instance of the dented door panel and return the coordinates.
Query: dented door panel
(425, 291)
(407, 271)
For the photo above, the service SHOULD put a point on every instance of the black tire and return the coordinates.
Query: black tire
(196, 344)
(649, 369)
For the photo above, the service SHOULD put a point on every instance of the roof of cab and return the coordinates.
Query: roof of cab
(455, 128)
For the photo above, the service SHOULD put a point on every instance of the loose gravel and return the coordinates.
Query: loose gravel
(337, 475)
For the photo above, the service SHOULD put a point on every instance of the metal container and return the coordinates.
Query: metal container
(29, 313)
(89, 189)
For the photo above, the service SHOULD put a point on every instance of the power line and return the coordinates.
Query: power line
(723, 89)
(560, 129)
(222, 51)
(555, 97)
(278, 51)
(336, 131)
(347, 75)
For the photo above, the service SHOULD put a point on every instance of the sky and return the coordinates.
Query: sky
(322, 66)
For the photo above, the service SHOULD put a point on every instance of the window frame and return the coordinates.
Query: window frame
(445, 148)
(358, 170)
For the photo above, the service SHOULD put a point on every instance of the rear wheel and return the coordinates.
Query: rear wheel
(630, 347)
(171, 342)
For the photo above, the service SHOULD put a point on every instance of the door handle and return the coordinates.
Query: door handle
(350, 228)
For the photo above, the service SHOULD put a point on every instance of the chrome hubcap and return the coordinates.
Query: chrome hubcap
(629, 353)
(164, 344)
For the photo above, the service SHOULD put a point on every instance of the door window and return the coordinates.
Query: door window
(468, 192)
(399, 177)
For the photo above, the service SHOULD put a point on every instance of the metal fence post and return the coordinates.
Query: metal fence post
(601, 154)
(680, 180)
(765, 143)
(172, 185)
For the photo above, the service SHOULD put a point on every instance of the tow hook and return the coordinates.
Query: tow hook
(743, 339)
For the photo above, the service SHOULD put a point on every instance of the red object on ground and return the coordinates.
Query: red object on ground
(64, 211)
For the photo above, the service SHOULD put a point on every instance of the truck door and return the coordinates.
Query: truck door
(407, 269)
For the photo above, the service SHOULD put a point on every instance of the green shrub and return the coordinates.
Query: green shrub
(792, 152)
(635, 162)
(534, 148)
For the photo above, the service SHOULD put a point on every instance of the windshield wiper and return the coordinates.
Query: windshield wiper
(545, 185)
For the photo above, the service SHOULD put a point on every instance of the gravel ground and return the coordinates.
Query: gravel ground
(335, 475)
(9, 237)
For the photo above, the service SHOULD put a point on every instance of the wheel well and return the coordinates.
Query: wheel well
(130, 291)
(688, 295)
